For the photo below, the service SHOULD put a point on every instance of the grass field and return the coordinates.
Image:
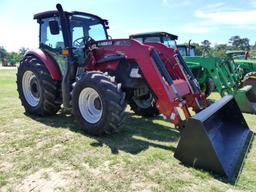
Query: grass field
(52, 154)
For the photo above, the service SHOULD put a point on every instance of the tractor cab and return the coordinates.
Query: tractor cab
(81, 27)
(163, 37)
(186, 50)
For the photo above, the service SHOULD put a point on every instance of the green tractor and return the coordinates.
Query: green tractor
(212, 73)
(225, 75)
(246, 60)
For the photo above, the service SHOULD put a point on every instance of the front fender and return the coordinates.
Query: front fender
(48, 61)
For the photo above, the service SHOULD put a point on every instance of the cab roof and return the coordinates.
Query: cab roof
(53, 13)
(151, 34)
(235, 52)
(185, 45)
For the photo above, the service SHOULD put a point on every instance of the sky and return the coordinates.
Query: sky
(214, 20)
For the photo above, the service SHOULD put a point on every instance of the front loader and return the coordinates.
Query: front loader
(211, 72)
(227, 78)
(246, 61)
(77, 66)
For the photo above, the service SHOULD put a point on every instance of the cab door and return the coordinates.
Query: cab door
(53, 44)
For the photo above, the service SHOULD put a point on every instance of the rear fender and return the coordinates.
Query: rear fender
(48, 61)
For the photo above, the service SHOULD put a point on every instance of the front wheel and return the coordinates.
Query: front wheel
(98, 103)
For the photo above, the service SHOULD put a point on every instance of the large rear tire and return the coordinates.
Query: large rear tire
(98, 103)
(39, 94)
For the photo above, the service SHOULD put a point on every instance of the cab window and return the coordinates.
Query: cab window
(152, 39)
(54, 41)
(140, 39)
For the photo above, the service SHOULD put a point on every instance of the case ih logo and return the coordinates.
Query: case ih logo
(115, 43)
(105, 43)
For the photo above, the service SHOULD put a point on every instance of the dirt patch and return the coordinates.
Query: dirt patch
(47, 180)
(5, 166)
(144, 186)
(233, 190)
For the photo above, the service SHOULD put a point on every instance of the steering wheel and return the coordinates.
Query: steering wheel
(82, 41)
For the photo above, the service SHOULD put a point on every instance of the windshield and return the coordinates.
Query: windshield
(169, 42)
(82, 26)
(242, 57)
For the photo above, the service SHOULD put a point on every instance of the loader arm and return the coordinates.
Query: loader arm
(176, 65)
(215, 72)
(168, 92)
(226, 82)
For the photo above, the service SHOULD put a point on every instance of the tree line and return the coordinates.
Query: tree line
(12, 57)
(219, 50)
(205, 48)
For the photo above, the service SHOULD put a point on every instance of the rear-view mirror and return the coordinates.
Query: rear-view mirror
(54, 27)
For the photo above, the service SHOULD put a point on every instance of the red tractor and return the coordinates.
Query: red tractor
(77, 65)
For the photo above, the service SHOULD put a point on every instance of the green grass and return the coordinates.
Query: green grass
(52, 152)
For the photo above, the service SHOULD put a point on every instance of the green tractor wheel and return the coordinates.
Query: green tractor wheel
(208, 87)
(250, 79)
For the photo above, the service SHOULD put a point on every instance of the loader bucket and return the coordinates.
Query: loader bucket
(216, 139)
(246, 99)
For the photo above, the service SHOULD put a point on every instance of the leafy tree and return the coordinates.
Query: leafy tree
(234, 41)
(219, 50)
(14, 57)
(3, 52)
(239, 43)
(206, 47)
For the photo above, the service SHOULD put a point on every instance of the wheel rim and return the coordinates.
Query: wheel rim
(144, 103)
(30, 88)
(90, 105)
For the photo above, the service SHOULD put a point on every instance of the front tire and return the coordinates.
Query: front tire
(39, 94)
(98, 103)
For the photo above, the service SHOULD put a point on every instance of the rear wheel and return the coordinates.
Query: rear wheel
(250, 79)
(98, 103)
(39, 94)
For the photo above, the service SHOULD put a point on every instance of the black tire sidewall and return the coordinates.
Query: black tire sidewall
(21, 71)
(91, 128)
(112, 98)
(50, 94)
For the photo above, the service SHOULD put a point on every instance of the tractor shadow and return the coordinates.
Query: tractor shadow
(137, 134)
